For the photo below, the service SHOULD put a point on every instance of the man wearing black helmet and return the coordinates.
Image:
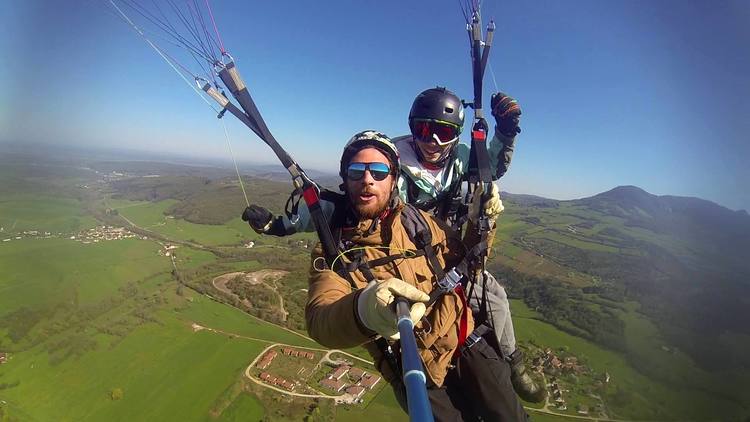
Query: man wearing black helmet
(433, 163)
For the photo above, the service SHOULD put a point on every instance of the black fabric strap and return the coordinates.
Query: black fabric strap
(419, 232)
(390, 354)
(390, 258)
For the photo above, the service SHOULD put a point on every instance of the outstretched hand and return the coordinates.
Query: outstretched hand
(507, 114)
(259, 218)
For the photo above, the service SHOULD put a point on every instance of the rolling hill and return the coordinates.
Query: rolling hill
(648, 289)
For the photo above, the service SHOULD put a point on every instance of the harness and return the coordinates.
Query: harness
(448, 205)
(419, 233)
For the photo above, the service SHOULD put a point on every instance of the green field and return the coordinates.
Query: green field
(22, 212)
(43, 272)
(244, 408)
(160, 367)
(154, 217)
(163, 369)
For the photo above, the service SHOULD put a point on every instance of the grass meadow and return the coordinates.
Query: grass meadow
(161, 368)
(164, 370)
(154, 217)
(25, 212)
(109, 338)
(243, 408)
(43, 272)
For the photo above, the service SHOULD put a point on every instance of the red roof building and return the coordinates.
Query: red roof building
(297, 353)
(339, 372)
(335, 385)
(266, 360)
(356, 373)
(369, 381)
(356, 391)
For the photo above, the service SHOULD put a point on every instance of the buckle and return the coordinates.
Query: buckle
(472, 340)
(450, 281)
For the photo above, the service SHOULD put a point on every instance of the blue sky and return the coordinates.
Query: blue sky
(648, 93)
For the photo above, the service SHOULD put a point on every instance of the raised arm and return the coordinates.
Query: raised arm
(507, 113)
(263, 221)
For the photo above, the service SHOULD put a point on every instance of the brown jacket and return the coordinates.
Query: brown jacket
(331, 303)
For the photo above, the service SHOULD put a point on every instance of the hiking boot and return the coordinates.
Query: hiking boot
(525, 387)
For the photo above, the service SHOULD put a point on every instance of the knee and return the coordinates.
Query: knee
(501, 293)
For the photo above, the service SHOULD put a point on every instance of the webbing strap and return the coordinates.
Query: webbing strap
(390, 258)
(419, 232)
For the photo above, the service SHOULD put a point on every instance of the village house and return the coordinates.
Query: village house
(355, 391)
(339, 372)
(266, 360)
(297, 353)
(369, 381)
(356, 373)
(277, 381)
(335, 385)
(285, 384)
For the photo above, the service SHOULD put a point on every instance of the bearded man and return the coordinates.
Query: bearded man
(353, 303)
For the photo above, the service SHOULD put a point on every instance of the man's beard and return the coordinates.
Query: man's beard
(369, 211)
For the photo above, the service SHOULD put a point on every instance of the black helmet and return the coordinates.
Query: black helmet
(369, 138)
(438, 104)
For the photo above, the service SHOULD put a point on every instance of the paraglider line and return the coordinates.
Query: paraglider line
(191, 30)
(231, 152)
(206, 33)
(211, 13)
(163, 54)
(202, 32)
(492, 73)
(183, 42)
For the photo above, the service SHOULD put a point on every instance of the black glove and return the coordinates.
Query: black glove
(507, 114)
(258, 217)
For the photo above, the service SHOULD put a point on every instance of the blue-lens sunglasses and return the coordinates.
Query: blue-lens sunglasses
(378, 171)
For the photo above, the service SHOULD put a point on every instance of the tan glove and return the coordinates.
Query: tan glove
(375, 305)
(492, 207)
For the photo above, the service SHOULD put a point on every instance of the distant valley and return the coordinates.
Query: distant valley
(646, 294)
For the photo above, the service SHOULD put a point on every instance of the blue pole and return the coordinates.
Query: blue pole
(414, 376)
